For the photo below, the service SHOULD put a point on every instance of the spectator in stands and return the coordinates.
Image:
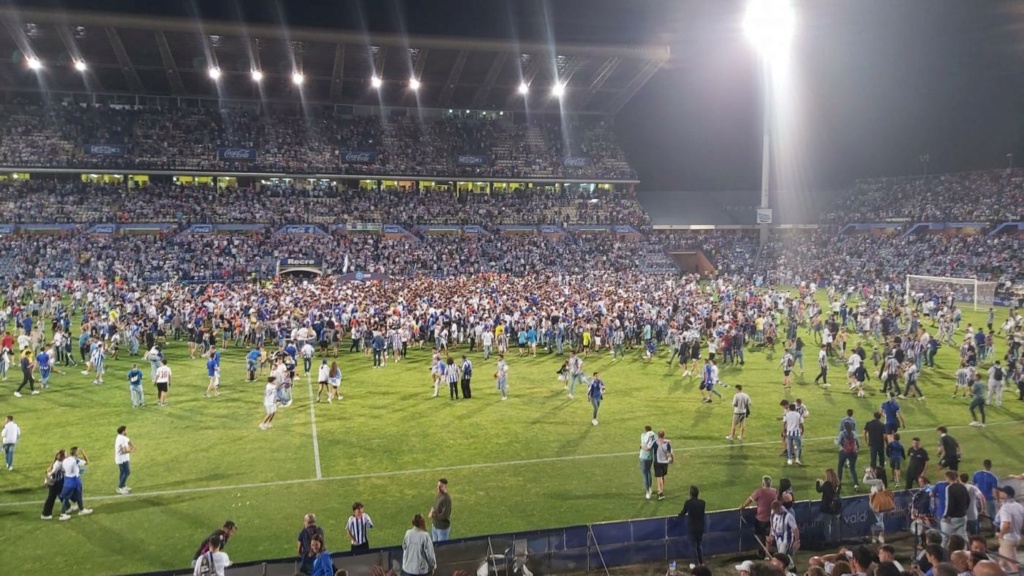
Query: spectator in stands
(225, 533)
(322, 564)
(441, 513)
(762, 498)
(309, 531)
(418, 550)
(693, 511)
(213, 561)
(1010, 520)
(831, 501)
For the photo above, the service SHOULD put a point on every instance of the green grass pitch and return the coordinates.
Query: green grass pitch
(532, 462)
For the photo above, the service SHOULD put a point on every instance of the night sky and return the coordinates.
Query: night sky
(881, 81)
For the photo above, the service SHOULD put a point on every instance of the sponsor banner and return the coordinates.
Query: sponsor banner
(246, 154)
(300, 262)
(549, 229)
(473, 230)
(441, 229)
(200, 229)
(624, 230)
(7, 229)
(104, 150)
(392, 229)
(48, 228)
(470, 160)
(589, 228)
(575, 161)
(364, 277)
(239, 227)
(145, 227)
(103, 229)
(362, 227)
(300, 229)
(357, 157)
(764, 215)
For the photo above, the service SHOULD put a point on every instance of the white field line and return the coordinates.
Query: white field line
(442, 469)
(312, 417)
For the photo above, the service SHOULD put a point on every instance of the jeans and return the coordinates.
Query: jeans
(913, 384)
(573, 378)
(879, 525)
(850, 459)
(596, 403)
(439, 535)
(950, 526)
(9, 455)
(823, 376)
(307, 364)
(72, 492)
(794, 447)
(377, 357)
(124, 471)
(487, 351)
(138, 395)
(978, 403)
(798, 356)
(645, 472)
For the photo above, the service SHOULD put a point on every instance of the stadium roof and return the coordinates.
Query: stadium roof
(160, 56)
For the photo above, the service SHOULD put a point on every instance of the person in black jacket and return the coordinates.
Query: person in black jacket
(693, 510)
(831, 503)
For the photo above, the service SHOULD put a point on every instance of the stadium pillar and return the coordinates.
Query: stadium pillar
(766, 142)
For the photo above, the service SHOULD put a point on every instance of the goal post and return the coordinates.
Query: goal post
(979, 294)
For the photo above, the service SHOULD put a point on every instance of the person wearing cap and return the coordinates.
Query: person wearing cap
(1010, 520)
(745, 567)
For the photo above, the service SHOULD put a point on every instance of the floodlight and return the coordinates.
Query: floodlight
(297, 78)
(414, 84)
(375, 81)
(214, 73)
(524, 88)
(769, 25)
(257, 75)
(558, 90)
(80, 65)
(33, 63)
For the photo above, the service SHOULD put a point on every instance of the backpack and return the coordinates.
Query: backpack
(922, 503)
(204, 565)
(849, 443)
(998, 374)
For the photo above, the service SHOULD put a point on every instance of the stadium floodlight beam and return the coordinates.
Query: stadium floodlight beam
(769, 25)
(298, 78)
(414, 84)
(558, 90)
(33, 63)
(524, 88)
(257, 75)
(375, 81)
(80, 65)
(214, 73)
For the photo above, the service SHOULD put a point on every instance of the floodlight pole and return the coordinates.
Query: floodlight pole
(766, 142)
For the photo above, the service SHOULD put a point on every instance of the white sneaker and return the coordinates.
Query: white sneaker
(881, 539)
(921, 399)
(503, 398)
(860, 394)
(982, 425)
(789, 462)
(975, 423)
(648, 495)
(826, 385)
(17, 394)
(798, 462)
(64, 517)
(35, 392)
(46, 517)
(263, 426)
(740, 438)
(594, 421)
(728, 437)
(85, 512)
(570, 396)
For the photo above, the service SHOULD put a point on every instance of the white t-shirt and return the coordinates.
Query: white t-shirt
(163, 374)
(269, 392)
(793, 420)
(220, 562)
(307, 351)
(325, 370)
(121, 442)
(71, 469)
(10, 434)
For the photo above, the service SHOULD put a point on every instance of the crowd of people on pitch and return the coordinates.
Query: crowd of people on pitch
(485, 145)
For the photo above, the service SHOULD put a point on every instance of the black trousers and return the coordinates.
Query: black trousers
(823, 376)
(51, 497)
(453, 390)
(27, 379)
(697, 546)
(364, 547)
(466, 392)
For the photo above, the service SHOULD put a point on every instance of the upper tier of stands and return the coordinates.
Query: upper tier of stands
(490, 146)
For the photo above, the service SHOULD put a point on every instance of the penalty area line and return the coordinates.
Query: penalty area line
(441, 469)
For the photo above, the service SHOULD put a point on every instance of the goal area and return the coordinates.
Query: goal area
(978, 293)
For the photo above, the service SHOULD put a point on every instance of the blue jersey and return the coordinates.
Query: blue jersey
(43, 360)
(253, 355)
(939, 498)
(890, 408)
(594, 392)
(211, 367)
(135, 377)
(986, 483)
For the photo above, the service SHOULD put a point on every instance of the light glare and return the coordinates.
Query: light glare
(524, 88)
(769, 26)
(214, 73)
(376, 82)
(257, 75)
(558, 90)
(80, 65)
(33, 63)
(297, 78)
(414, 84)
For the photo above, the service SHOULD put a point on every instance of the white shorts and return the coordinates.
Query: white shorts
(270, 408)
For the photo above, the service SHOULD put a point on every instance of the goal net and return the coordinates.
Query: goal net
(964, 290)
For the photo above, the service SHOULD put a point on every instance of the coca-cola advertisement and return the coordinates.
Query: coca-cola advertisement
(237, 154)
(358, 157)
(470, 160)
(104, 150)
